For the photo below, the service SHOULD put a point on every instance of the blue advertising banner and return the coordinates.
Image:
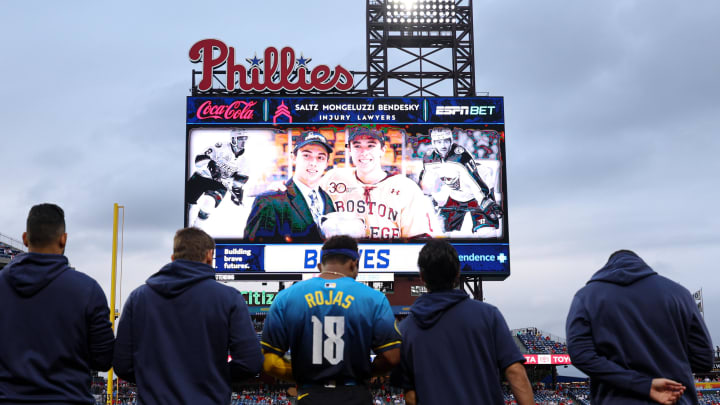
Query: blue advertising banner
(328, 110)
(274, 258)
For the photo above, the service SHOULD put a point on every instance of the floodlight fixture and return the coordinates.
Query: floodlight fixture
(436, 11)
(420, 28)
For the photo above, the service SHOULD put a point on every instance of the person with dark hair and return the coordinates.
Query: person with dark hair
(440, 269)
(455, 348)
(54, 321)
(176, 331)
(295, 213)
(638, 335)
(330, 324)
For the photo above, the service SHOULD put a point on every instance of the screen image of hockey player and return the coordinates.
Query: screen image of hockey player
(386, 182)
(460, 172)
(227, 167)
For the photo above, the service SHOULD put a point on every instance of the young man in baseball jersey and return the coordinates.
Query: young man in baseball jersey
(464, 189)
(330, 324)
(392, 206)
(219, 168)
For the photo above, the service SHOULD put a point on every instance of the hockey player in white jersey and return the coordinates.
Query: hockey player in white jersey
(219, 169)
(464, 189)
(392, 206)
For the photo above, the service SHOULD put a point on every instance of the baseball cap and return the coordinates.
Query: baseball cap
(362, 131)
(309, 137)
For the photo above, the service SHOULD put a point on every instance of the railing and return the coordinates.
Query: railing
(535, 331)
(12, 242)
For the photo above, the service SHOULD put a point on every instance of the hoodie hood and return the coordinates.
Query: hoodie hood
(623, 268)
(429, 308)
(28, 273)
(176, 277)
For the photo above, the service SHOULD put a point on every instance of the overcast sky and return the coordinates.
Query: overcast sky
(612, 124)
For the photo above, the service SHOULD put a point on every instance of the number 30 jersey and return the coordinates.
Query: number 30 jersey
(329, 327)
(392, 208)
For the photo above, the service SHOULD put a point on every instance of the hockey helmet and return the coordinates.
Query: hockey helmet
(237, 140)
(439, 133)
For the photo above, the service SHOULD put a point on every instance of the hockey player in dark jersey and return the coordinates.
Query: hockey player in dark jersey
(218, 169)
(465, 189)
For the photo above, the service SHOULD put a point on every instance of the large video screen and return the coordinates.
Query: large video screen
(271, 178)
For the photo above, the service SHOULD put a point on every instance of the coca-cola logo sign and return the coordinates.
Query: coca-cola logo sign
(280, 70)
(237, 110)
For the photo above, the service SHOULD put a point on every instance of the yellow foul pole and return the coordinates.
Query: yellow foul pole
(113, 287)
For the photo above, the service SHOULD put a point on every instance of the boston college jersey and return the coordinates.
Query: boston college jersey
(392, 208)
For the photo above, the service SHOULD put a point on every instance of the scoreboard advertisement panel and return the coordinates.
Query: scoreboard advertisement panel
(271, 177)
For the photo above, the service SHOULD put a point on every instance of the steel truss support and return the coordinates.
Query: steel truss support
(408, 56)
(474, 285)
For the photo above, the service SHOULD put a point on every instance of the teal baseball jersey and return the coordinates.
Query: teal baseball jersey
(330, 327)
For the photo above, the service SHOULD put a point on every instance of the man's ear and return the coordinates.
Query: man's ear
(172, 258)
(209, 257)
(62, 241)
(25, 239)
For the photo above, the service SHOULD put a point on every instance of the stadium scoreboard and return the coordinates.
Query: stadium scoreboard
(444, 159)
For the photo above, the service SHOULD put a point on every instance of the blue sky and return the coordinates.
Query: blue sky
(611, 107)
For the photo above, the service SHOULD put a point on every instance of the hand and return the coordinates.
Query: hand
(214, 170)
(410, 397)
(491, 209)
(277, 186)
(236, 195)
(665, 391)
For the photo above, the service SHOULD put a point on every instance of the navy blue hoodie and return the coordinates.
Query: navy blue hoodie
(176, 332)
(629, 325)
(54, 328)
(454, 349)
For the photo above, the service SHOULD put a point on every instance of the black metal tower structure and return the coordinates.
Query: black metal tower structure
(420, 47)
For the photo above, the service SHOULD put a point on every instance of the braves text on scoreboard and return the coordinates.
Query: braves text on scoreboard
(271, 177)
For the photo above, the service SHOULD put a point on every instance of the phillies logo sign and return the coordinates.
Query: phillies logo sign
(280, 71)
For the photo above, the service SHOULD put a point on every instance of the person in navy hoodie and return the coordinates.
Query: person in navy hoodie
(176, 331)
(638, 335)
(455, 348)
(54, 321)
